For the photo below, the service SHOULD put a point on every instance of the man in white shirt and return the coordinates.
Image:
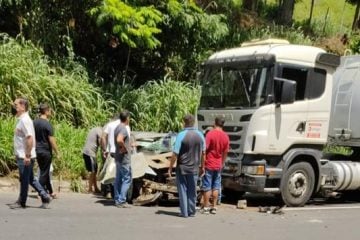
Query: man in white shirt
(107, 139)
(24, 149)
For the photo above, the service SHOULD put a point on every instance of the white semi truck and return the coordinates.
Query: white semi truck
(282, 104)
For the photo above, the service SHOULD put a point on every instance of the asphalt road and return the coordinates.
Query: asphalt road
(80, 216)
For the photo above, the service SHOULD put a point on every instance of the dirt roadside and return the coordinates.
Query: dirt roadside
(11, 184)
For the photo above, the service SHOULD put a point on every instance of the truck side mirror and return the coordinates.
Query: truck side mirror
(284, 91)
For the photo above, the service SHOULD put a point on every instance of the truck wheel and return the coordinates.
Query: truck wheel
(297, 184)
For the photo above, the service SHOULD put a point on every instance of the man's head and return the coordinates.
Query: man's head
(189, 120)
(219, 121)
(20, 106)
(116, 116)
(44, 109)
(125, 117)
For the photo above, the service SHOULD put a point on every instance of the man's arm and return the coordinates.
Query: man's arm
(120, 139)
(103, 141)
(54, 146)
(225, 152)
(172, 162)
(29, 141)
(224, 156)
(202, 164)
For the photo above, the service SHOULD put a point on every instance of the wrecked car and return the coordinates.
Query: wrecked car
(149, 165)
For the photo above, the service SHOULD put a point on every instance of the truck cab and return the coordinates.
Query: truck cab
(276, 100)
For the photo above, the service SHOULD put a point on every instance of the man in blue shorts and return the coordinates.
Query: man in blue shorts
(217, 147)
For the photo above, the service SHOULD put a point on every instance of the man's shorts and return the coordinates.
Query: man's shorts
(211, 180)
(90, 163)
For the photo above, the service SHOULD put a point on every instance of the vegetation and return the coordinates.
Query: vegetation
(160, 105)
(25, 71)
(70, 141)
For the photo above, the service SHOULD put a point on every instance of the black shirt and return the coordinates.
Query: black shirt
(43, 130)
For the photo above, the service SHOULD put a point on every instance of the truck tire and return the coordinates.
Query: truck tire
(297, 184)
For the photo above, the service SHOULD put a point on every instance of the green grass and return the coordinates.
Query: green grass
(339, 17)
(160, 105)
(26, 71)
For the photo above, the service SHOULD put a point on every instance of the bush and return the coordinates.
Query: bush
(160, 105)
(7, 160)
(70, 141)
(355, 43)
(292, 34)
(25, 71)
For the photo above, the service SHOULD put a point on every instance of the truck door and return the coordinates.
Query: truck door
(288, 121)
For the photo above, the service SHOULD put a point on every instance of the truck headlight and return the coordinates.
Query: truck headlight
(253, 170)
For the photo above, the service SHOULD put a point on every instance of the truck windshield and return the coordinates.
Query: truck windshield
(234, 87)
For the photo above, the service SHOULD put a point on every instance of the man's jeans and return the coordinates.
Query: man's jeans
(186, 185)
(26, 178)
(122, 182)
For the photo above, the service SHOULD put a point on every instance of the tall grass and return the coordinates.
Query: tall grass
(294, 35)
(7, 160)
(26, 71)
(70, 141)
(160, 105)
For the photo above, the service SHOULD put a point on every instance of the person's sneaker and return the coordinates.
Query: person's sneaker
(122, 205)
(17, 205)
(108, 195)
(205, 210)
(45, 203)
(213, 210)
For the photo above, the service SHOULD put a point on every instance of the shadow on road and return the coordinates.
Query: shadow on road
(106, 202)
(163, 212)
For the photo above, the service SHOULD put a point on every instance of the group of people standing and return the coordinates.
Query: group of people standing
(33, 140)
(195, 156)
(198, 156)
(115, 142)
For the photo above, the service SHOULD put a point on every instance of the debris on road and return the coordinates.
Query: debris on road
(273, 210)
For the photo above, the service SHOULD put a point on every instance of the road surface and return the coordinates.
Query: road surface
(82, 216)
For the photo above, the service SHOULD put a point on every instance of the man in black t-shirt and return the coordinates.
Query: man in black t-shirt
(45, 145)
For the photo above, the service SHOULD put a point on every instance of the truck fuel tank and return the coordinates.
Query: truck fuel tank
(346, 175)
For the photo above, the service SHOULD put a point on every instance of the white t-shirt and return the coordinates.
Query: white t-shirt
(24, 128)
(109, 130)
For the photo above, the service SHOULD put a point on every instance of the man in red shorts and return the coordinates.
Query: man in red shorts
(217, 147)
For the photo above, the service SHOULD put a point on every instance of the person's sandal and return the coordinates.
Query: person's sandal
(205, 210)
(213, 210)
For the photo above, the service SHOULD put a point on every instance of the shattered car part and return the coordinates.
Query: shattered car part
(149, 168)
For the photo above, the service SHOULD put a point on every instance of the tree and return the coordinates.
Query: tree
(134, 26)
(311, 11)
(355, 24)
(250, 5)
(286, 12)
